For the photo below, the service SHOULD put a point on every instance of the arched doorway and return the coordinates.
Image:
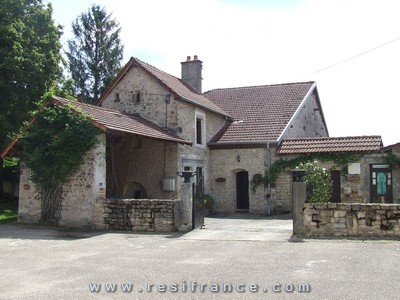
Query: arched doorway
(242, 191)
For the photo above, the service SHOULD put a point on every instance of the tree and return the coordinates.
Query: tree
(95, 53)
(29, 60)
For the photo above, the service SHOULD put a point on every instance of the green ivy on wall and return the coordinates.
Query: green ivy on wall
(392, 160)
(53, 148)
(340, 160)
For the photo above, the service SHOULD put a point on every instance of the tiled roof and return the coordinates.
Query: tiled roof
(390, 147)
(107, 119)
(260, 113)
(331, 144)
(175, 85)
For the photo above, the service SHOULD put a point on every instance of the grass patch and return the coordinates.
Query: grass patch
(8, 212)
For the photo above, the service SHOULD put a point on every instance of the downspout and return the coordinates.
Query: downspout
(167, 100)
(269, 206)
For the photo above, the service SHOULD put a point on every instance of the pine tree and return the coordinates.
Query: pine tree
(95, 53)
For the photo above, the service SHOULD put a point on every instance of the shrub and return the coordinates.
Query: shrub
(319, 184)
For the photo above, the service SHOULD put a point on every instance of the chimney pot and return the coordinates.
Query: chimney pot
(195, 57)
(188, 58)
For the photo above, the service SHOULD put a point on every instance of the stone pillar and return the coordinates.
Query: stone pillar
(187, 203)
(299, 197)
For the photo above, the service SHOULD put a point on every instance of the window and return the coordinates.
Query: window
(200, 129)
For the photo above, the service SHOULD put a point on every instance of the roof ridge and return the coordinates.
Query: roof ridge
(89, 105)
(260, 86)
(188, 86)
(334, 137)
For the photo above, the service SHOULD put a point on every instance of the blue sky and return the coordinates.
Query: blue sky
(341, 44)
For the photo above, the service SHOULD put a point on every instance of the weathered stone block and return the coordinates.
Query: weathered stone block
(321, 206)
(361, 214)
(339, 214)
(344, 206)
(311, 211)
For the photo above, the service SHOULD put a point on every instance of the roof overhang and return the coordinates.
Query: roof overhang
(111, 121)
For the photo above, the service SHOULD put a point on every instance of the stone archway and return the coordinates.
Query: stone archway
(135, 190)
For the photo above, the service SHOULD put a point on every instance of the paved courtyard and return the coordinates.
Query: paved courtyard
(233, 258)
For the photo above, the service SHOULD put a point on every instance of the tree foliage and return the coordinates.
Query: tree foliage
(29, 60)
(95, 53)
(53, 148)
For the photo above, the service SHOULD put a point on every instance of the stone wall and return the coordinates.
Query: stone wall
(139, 215)
(356, 219)
(80, 192)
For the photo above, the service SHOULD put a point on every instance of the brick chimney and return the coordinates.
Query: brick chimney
(191, 72)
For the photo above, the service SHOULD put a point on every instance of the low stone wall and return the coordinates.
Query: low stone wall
(342, 219)
(139, 214)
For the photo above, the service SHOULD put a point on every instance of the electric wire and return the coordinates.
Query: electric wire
(355, 56)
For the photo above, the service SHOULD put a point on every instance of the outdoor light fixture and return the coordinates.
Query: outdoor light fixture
(186, 175)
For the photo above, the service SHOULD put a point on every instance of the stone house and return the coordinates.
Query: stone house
(234, 131)
(155, 125)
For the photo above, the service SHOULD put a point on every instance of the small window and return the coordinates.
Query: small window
(137, 97)
(116, 98)
(200, 132)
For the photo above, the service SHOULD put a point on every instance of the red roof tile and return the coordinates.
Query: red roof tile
(261, 113)
(175, 85)
(331, 144)
(108, 119)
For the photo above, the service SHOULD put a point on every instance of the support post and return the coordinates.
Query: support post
(299, 197)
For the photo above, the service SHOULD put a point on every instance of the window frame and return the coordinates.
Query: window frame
(202, 117)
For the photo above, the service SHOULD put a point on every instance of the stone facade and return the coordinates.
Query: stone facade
(226, 163)
(139, 162)
(157, 160)
(139, 215)
(79, 196)
(343, 219)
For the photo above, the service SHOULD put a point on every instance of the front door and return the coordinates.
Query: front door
(242, 191)
(381, 184)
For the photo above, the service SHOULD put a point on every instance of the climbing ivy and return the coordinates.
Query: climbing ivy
(340, 160)
(392, 160)
(53, 148)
